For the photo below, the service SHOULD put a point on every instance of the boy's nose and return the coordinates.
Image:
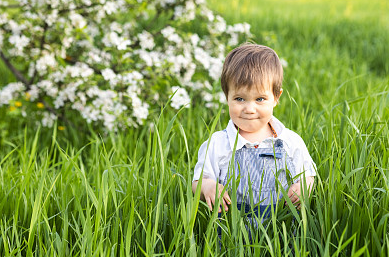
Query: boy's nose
(249, 108)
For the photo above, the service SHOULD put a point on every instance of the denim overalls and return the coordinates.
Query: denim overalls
(261, 168)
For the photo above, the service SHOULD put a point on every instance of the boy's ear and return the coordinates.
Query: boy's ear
(278, 98)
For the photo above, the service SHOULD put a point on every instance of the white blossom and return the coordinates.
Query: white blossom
(146, 40)
(234, 40)
(84, 43)
(190, 71)
(123, 44)
(109, 120)
(194, 39)
(92, 91)
(180, 98)
(48, 119)
(82, 97)
(134, 79)
(52, 17)
(15, 27)
(179, 11)
(203, 57)
(47, 60)
(48, 87)
(116, 27)
(150, 58)
(104, 98)
(67, 41)
(77, 20)
(140, 109)
(187, 12)
(94, 56)
(78, 70)
(208, 97)
(221, 97)
(178, 62)
(58, 76)
(90, 114)
(141, 112)
(109, 75)
(20, 42)
(1, 38)
(110, 7)
(164, 3)
(208, 13)
(3, 18)
(92, 30)
(219, 26)
(170, 34)
(9, 92)
(33, 93)
(190, 9)
(65, 65)
(113, 39)
(101, 14)
(216, 67)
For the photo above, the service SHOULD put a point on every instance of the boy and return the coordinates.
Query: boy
(251, 81)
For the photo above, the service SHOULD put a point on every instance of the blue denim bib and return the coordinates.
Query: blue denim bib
(264, 169)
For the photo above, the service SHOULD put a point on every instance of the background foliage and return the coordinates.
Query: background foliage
(111, 63)
(66, 192)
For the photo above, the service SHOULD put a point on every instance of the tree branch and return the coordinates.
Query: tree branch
(11, 6)
(19, 76)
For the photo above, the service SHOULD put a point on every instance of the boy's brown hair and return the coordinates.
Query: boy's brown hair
(252, 65)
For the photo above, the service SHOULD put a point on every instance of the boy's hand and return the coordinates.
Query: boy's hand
(295, 190)
(208, 193)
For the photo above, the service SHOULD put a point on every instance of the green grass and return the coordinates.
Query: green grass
(66, 193)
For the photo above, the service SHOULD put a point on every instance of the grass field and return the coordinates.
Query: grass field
(70, 193)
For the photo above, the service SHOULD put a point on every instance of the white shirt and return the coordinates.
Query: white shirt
(216, 160)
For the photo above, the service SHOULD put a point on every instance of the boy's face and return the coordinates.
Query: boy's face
(251, 109)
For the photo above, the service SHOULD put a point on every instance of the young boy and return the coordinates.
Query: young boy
(266, 152)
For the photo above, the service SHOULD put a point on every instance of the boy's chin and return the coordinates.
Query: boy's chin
(248, 130)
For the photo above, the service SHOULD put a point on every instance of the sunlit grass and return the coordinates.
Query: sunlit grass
(75, 192)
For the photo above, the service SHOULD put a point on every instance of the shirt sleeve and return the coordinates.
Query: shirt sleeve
(302, 159)
(208, 161)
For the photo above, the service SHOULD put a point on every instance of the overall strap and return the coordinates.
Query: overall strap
(273, 131)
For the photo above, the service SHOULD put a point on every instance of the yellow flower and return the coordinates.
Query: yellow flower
(61, 128)
(40, 105)
(18, 104)
(12, 108)
(27, 97)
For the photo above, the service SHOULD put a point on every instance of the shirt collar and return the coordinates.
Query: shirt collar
(232, 132)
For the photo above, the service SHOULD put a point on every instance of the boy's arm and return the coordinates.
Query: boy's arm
(296, 190)
(208, 193)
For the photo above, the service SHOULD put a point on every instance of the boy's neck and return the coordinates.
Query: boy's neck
(258, 136)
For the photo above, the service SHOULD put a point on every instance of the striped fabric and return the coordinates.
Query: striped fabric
(265, 170)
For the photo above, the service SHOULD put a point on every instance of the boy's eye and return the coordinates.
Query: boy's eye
(239, 99)
(260, 99)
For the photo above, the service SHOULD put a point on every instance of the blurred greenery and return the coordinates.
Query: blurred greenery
(336, 50)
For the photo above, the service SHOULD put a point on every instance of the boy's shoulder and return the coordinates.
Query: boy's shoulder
(292, 139)
(218, 142)
(285, 133)
(217, 147)
(219, 137)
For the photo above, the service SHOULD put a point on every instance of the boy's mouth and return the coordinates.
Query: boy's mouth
(249, 118)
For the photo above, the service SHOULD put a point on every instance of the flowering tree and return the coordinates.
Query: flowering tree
(109, 62)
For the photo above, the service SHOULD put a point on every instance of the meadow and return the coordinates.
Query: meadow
(90, 193)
